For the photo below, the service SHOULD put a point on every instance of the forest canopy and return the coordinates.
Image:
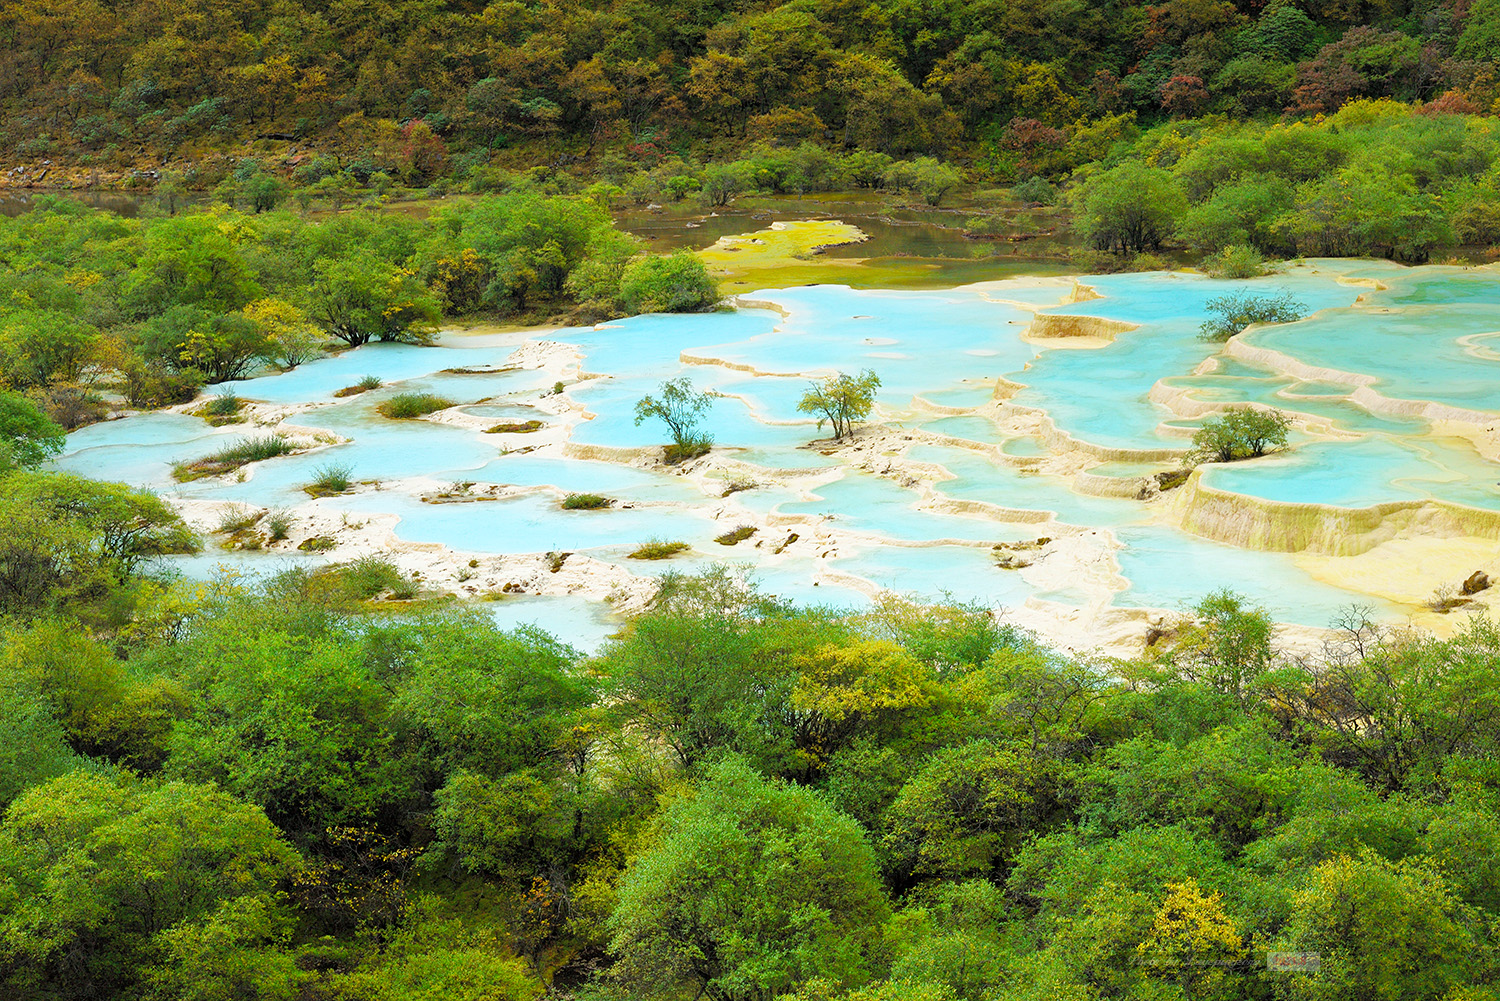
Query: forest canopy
(421, 87)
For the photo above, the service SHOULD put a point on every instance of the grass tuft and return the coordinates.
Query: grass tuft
(658, 549)
(585, 502)
(233, 456)
(279, 524)
(237, 518)
(364, 385)
(331, 479)
(524, 428)
(405, 406)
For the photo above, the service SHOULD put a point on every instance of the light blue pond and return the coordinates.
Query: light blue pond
(1361, 473)
(1414, 352)
(947, 348)
(1101, 396)
(1170, 570)
(582, 623)
(979, 479)
(873, 505)
(321, 378)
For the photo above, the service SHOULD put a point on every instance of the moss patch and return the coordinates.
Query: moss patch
(526, 427)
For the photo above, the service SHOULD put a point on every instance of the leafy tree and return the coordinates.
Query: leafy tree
(1096, 900)
(1131, 208)
(965, 812)
(845, 689)
(189, 260)
(1227, 646)
(360, 298)
(33, 746)
(290, 338)
(1382, 930)
(676, 283)
(1240, 432)
(28, 437)
(40, 346)
(1234, 262)
(293, 724)
(518, 823)
(65, 540)
(689, 674)
(748, 888)
(926, 176)
(1481, 34)
(841, 401)
(99, 871)
(481, 699)
(722, 182)
(1192, 942)
(681, 409)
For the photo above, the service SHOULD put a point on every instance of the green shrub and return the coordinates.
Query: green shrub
(658, 549)
(585, 502)
(692, 447)
(317, 544)
(28, 437)
(1238, 310)
(233, 456)
(1235, 262)
(150, 385)
(1034, 191)
(237, 518)
(366, 578)
(737, 535)
(331, 479)
(405, 406)
(279, 524)
(223, 405)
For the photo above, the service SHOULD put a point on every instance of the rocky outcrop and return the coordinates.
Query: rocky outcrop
(1048, 326)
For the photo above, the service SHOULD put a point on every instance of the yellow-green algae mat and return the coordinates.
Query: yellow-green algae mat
(784, 255)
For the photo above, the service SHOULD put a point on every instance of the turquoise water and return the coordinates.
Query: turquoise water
(947, 348)
(873, 505)
(977, 478)
(1170, 570)
(1410, 338)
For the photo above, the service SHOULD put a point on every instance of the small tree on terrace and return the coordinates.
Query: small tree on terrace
(680, 408)
(1234, 311)
(1242, 432)
(841, 400)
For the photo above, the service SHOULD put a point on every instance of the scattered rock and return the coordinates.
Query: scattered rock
(1006, 553)
(1477, 581)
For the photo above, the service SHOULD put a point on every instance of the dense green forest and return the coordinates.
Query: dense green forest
(152, 309)
(651, 102)
(421, 80)
(234, 790)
